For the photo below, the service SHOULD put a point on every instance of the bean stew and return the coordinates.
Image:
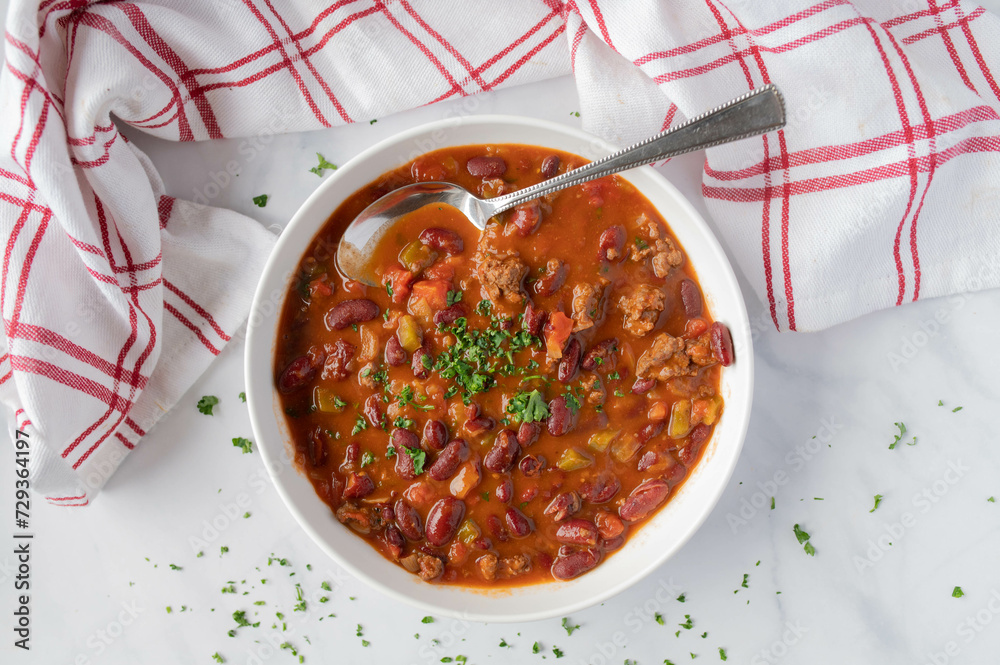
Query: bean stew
(508, 408)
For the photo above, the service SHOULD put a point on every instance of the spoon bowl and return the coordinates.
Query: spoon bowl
(757, 112)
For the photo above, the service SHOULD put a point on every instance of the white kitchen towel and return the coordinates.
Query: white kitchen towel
(883, 189)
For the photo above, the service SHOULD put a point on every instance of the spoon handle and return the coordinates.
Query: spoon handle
(756, 112)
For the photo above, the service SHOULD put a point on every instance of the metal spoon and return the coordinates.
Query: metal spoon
(755, 113)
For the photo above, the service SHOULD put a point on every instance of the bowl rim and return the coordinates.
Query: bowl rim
(260, 397)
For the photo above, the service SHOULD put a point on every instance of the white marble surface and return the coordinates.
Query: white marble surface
(97, 599)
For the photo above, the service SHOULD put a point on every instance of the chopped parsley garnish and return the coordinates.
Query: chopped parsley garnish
(366, 459)
(388, 289)
(571, 401)
(453, 297)
(175, 567)
(484, 307)
(746, 579)
(322, 166)
(260, 201)
(688, 622)
(535, 648)
(503, 643)
(418, 456)
(681, 598)
(427, 619)
(206, 403)
(956, 409)
(878, 500)
(640, 243)
(722, 654)
(659, 619)
(803, 539)
(402, 423)
(359, 425)
(991, 500)
(528, 407)
(557, 651)
(243, 397)
(957, 592)
(246, 445)
(772, 503)
(569, 629)
(406, 398)
(217, 658)
(390, 451)
(301, 605)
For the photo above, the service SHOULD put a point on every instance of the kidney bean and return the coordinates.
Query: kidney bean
(608, 524)
(486, 167)
(349, 312)
(530, 466)
(316, 448)
(611, 243)
(648, 459)
(435, 434)
(722, 344)
(385, 512)
(504, 490)
(527, 433)
(298, 373)
(563, 506)
(500, 457)
(352, 453)
(528, 493)
(479, 425)
(338, 358)
(568, 566)
(394, 541)
(561, 417)
(691, 297)
(643, 386)
(373, 410)
(526, 218)
(449, 315)
(570, 361)
(550, 166)
(444, 240)
(644, 499)
(358, 486)
(443, 520)
(408, 520)
(601, 489)
(648, 431)
(554, 277)
(699, 434)
(518, 523)
(611, 544)
(421, 368)
(534, 319)
(448, 460)
(395, 354)
(482, 543)
(578, 532)
(601, 356)
(405, 467)
(497, 528)
(401, 438)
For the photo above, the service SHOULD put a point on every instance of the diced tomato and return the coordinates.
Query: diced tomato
(444, 271)
(434, 292)
(399, 280)
(694, 327)
(556, 332)
(320, 287)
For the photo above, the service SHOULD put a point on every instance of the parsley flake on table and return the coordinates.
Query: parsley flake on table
(722, 654)
(681, 598)
(878, 500)
(899, 437)
(503, 643)
(803, 539)
(956, 409)
(260, 201)
(322, 166)
(746, 579)
(688, 622)
(659, 619)
(217, 658)
(957, 592)
(175, 567)
(206, 403)
(243, 397)
(991, 500)
(246, 445)
(427, 619)
(535, 648)
(557, 651)
(568, 628)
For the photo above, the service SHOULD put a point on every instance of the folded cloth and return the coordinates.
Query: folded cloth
(115, 297)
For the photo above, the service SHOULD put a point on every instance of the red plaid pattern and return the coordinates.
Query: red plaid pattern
(115, 297)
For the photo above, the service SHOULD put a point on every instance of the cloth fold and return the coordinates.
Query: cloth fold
(115, 297)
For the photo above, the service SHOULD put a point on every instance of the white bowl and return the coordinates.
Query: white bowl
(656, 541)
